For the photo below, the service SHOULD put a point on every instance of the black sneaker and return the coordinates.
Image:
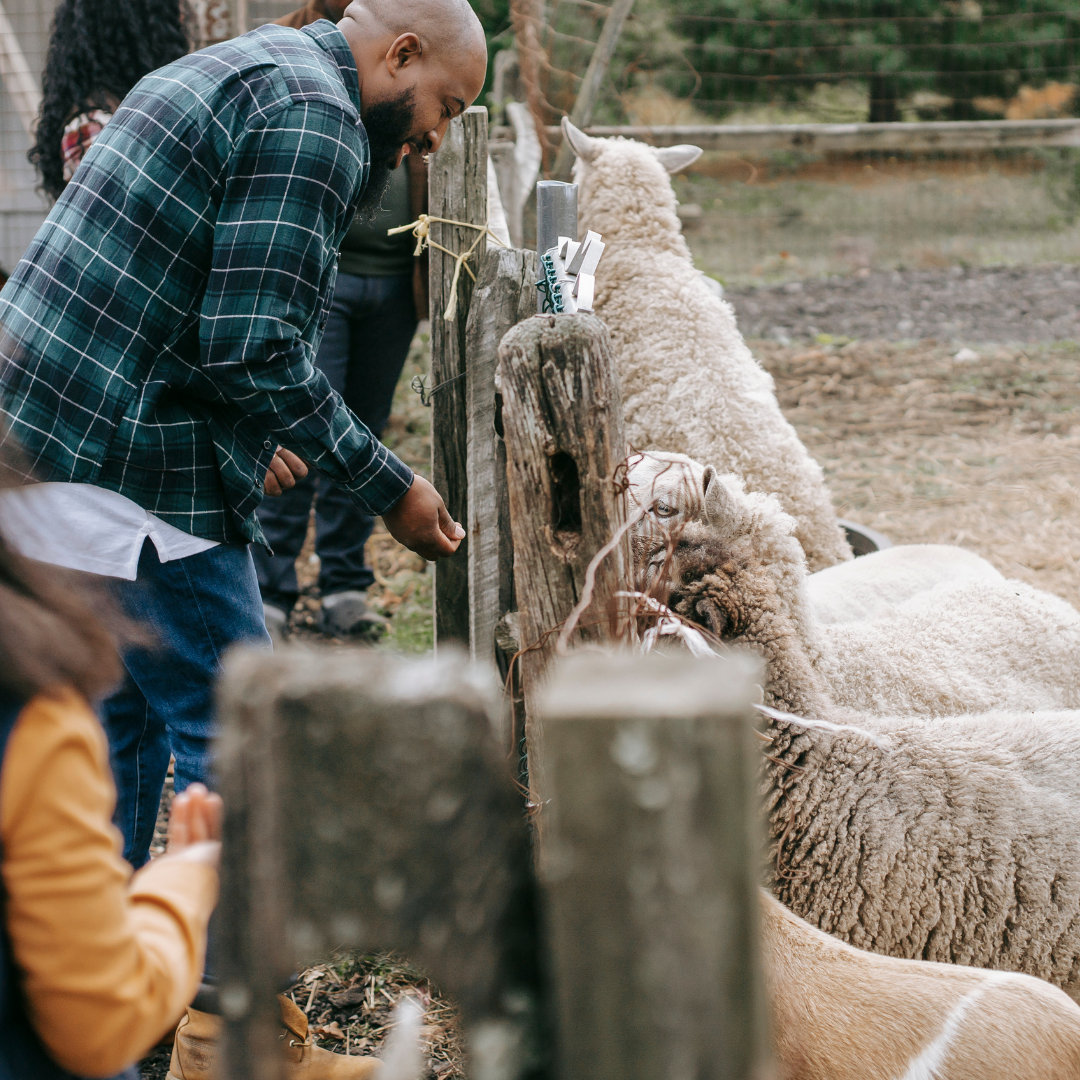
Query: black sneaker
(345, 614)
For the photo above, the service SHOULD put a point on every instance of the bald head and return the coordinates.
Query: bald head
(430, 54)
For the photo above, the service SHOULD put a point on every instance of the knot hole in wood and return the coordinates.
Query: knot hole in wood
(565, 503)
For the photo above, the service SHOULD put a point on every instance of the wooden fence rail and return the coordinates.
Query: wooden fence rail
(563, 424)
(457, 190)
(943, 135)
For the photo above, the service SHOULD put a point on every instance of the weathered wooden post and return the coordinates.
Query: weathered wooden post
(650, 865)
(563, 425)
(369, 805)
(457, 186)
(503, 297)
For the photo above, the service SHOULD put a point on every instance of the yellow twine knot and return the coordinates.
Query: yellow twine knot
(421, 229)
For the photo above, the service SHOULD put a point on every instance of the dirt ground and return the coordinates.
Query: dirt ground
(972, 304)
(981, 451)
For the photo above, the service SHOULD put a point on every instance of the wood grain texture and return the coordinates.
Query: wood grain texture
(457, 180)
(650, 868)
(505, 294)
(565, 442)
(380, 809)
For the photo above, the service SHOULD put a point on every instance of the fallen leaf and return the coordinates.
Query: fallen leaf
(330, 1031)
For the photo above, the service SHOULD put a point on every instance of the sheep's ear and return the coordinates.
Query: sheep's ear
(720, 510)
(676, 158)
(585, 146)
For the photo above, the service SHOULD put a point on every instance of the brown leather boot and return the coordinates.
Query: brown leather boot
(198, 1034)
(306, 1061)
(193, 1048)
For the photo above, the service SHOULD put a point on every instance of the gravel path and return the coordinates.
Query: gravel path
(1000, 304)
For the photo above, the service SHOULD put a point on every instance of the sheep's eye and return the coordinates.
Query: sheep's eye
(664, 511)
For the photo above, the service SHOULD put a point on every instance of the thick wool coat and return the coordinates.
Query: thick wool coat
(689, 382)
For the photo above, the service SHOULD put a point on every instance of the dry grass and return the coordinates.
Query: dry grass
(350, 1002)
(985, 454)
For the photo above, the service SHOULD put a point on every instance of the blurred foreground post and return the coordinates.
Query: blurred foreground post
(566, 451)
(369, 806)
(457, 190)
(650, 866)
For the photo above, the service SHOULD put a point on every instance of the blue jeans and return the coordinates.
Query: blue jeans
(196, 608)
(371, 325)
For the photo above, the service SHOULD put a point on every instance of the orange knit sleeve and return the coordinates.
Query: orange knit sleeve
(107, 965)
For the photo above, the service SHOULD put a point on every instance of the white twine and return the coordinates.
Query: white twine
(421, 229)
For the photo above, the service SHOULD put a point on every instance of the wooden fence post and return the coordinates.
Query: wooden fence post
(457, 190)
(565, 443)
(370, 806)
(504, 295)
(650, 864)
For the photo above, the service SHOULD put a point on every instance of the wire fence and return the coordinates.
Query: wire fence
(785, 215)
(24, 36)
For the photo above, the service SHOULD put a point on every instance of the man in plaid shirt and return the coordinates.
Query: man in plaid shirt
(157, 342)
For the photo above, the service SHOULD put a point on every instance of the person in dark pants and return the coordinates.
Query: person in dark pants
(372, 321)
(157, 342)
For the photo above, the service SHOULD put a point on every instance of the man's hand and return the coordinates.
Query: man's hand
(421, 522)
(284, 471)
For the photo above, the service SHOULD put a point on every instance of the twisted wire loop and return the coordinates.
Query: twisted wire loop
(419, 386)
(550, 286)
(421, 229)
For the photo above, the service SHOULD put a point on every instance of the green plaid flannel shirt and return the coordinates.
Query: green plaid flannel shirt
(158, 336)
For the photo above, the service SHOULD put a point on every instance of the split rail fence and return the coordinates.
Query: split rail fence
(608, 928)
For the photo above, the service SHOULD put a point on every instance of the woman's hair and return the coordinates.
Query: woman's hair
(53, 630)
(98, 51)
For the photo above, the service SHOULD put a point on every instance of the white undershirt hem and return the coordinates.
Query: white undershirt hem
(89, 528)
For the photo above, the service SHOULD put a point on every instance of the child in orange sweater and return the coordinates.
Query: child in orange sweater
(95, 965)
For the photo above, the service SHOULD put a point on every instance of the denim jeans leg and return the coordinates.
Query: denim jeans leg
(139, 756)
(196, 607)
(381, 324)
(284, 519)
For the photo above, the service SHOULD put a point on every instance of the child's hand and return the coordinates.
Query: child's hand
(195, 817)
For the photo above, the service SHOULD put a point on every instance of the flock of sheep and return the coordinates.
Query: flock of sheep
(923, 768)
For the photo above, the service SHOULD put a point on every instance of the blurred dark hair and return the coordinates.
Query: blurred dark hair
(56, 628)
(98, 51)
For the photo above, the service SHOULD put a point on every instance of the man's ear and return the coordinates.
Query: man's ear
(405, 50)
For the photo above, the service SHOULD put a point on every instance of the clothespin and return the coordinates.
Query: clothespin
(569, 269)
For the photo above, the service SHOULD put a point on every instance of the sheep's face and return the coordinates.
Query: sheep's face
(667, 490)
(705, 579)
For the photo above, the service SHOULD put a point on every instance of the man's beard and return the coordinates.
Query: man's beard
(388, 125)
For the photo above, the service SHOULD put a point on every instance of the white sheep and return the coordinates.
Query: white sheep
(972, 645)
(668, 490)
(954, 839)
(689, 383)
(872, 584)
(840, 1013)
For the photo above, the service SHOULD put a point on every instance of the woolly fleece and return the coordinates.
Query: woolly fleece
(958, 843)
(954, 649)
(689, 383)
